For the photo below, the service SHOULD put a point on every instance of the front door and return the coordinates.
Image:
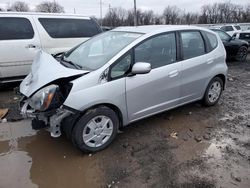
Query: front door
(159, 89)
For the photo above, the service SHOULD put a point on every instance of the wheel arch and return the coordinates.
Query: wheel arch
(222, 77)
(245, 45)
(69, 122)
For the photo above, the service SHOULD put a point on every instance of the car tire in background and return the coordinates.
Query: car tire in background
(213, 92)
(95, 130)
(242, 54)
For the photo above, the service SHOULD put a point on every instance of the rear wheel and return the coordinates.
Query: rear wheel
(95, 130)
(241, 54)
(213, 92)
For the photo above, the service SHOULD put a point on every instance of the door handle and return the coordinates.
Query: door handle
(209, 61)
(173, 73)
(30, 46)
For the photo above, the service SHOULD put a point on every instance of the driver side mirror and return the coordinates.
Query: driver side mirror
(233, 37)
(141, 68)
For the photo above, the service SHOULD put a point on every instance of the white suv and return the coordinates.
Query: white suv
(231, 29)
(22, 34)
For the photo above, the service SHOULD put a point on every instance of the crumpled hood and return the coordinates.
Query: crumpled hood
(44, 70)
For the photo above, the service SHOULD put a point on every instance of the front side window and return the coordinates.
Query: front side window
(12, 28)
(69, 28)
(158, 51)
(97, 51)
(192, 44)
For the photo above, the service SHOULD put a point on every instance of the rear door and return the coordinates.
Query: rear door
(159, 89)
(19, 42)
(194, 67)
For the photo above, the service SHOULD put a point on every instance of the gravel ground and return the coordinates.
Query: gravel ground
(190, 147)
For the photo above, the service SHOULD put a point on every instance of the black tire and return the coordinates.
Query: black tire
(77, 133)
(241, 54)
(206, 97)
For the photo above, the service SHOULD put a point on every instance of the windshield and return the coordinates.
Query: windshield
(97, 51)
(223, 35)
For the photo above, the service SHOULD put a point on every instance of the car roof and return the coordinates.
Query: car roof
(157, 28)
(43, 14)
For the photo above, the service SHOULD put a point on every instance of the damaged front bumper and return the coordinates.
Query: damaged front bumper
(51, 119)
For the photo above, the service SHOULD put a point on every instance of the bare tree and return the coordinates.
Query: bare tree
(115, 17)
(189, 18)
(226, 12)
(50, 7)
(130, 18)
(146, 17)
(171, 15)
(19, 6)
(246, 14)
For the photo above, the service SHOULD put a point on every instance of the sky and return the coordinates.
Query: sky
(92, 7)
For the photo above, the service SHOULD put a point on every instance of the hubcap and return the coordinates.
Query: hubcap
(97, 131)
(214, 92)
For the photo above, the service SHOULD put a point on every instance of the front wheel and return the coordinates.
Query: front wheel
(95, 130)
(213, 92)
(241, 54)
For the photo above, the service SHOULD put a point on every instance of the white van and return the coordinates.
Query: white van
(23, 34)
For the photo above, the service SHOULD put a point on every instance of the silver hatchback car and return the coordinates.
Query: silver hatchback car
(121, 76)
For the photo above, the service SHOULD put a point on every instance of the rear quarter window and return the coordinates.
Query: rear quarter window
(212, 40)
(69, 28)
(237, 27)
(12, 28)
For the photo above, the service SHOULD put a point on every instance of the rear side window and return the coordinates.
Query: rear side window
(192, 44)
(15, 28)
(227, 28)
(69, 28)
(212, 39)
(237, 27)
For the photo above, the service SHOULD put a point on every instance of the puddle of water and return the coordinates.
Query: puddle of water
(17, 130)
(34, 159)
(15, 170)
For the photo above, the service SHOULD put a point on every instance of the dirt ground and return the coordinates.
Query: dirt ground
(189, 147)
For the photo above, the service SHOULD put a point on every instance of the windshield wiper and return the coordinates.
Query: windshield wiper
(70, 62)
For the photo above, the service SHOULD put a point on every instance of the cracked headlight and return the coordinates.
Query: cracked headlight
(42, 99)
